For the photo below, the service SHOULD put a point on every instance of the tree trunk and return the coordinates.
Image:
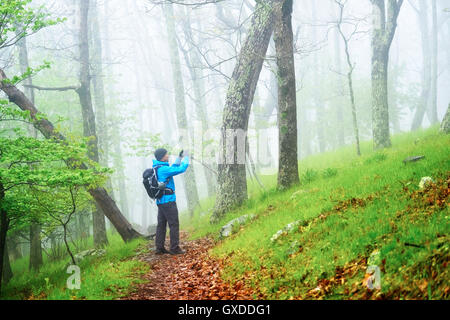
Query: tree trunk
(35, 247)
(445, 125)
(14, 246)
(180, 104)
(318, 101)
(144, 196)
(35, 229)
(340, 108)
(107, 50)
(7, 271)
(100, 195)
(432, 114)
(423, 103)
(384, 27)
(232, 183)
(394, 108)
(4, 225)
(193, 62)
(99, 98)
(349, 79)
(98, 85)
(87, 111)
(287, 100)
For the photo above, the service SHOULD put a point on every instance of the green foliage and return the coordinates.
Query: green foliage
(106, 277)
(41, 177)
(20, 19)
(329, 172)
(28, 73)
(309, 176)
(377, 157)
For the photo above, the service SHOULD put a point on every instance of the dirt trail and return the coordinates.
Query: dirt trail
(191, 276)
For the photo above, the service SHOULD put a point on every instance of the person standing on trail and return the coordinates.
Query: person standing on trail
(167, 206)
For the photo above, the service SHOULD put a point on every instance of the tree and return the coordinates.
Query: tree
(180, 104)
(232, 183)
(27, 163)
(384, 26)
(47, 128)
(287, 100)
(87, 111)
(351, 67)
(35, 229)
(432, 111)
(16, 14)
(423, 103)
(192, 58)
(20, 19)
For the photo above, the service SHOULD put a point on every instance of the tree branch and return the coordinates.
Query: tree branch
(51, 89)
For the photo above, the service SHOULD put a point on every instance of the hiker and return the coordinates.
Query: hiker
(167, 206)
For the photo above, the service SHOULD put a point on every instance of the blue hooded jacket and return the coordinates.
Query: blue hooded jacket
(167, 172)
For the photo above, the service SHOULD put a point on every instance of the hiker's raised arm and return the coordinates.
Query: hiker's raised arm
(177, 169)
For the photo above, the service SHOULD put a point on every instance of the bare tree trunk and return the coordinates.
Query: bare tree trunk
(318, 101)
(35, 229)
(432, 114)
(232, 183)
(349, 79)
(35, 247)
(14, 247)
(339, 109)
(287, 100)
(87, 111)
(180, 104)
(423, 103)
(109, 88)
(384, 26)
(192, 59)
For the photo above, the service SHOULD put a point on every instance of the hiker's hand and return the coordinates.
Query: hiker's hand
(181, 154)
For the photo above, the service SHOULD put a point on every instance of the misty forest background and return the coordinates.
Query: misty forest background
(90, 88)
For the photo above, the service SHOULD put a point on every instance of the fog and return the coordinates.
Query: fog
(139, 87)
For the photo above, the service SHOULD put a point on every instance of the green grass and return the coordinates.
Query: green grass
(387, 220)
(106, 277)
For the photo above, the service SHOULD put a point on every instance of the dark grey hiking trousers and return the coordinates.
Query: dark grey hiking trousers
(167, 214)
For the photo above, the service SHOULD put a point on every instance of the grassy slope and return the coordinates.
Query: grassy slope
(331, 253)
(102, 278)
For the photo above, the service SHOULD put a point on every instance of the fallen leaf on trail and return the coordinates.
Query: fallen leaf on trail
(193, 276)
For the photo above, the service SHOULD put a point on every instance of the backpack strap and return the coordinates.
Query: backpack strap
(166, 191)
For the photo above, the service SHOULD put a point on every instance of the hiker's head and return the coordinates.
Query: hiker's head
(162, 155)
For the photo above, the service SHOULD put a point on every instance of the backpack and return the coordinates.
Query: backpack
(154, 188)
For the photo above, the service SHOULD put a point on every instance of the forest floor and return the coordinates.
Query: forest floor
(194, 275)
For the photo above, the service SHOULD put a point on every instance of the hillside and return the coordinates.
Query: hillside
(347, 208)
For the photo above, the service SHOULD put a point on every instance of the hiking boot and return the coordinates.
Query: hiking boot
(177, 251)
(161, 251)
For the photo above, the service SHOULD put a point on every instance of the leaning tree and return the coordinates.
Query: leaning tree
(232, 182)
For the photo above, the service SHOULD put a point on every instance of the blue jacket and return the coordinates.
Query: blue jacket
(167, 172)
